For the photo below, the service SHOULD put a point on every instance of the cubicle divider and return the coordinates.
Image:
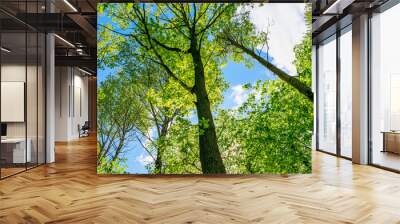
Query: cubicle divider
(22, 91)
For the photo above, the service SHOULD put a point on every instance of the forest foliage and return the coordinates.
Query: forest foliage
(167, 90)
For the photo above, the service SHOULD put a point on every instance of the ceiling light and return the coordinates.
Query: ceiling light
(337, 7)
(70, 5)
(5, 50)
(333, 6)
(65, 41)
(86, 72)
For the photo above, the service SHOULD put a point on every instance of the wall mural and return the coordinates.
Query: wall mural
(205, 88)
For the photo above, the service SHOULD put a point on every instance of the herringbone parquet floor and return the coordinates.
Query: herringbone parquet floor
(69, 191)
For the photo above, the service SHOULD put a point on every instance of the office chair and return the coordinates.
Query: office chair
(84, 130)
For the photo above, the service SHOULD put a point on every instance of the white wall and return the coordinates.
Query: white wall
(80, 94)
(13, 72)
(62, 82)
(71, 87)
(13, 101)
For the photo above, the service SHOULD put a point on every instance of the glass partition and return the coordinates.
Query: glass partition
(385, 89)
(22, 89)
(13, 92)
(327, 95)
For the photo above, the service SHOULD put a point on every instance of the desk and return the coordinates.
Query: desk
(391, 141)
(13, 150)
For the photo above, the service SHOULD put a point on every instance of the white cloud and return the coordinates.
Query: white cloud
(239, 95)
(287, 27)
(144, 159)
(153, 132)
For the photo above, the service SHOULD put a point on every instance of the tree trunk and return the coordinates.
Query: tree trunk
(158, 162)
(210, 157)
(159, 158)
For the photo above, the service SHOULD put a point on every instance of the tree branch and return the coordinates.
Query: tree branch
(293, 81)
(176, 49)
(161, 61)
(213, 19)
(145, 148)
(114, 31)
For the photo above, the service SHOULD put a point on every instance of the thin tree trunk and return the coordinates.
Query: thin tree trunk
(158, 162)
(159, 158)
(210, 156)
(293, 81)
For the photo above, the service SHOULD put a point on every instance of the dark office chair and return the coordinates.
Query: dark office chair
(84, 130)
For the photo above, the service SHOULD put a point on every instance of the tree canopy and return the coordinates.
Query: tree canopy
(169, 59)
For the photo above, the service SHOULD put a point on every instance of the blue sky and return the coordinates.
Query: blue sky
(282, 40)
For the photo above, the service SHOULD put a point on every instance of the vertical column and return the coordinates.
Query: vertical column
(338, 91)
(360, 90)
(50, 99)
(50, 92)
